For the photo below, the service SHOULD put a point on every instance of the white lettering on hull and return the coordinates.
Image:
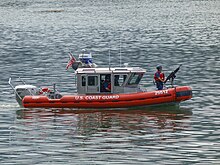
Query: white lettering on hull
(98, 97)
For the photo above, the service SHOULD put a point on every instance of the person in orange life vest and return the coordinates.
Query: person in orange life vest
(107, 83)
(159, 77)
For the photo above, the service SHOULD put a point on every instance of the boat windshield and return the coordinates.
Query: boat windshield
(135, 78)
(119, 79)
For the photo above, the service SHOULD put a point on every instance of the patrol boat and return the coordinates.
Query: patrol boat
(110, 87)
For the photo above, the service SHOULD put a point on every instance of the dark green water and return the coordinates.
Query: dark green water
(36, 37)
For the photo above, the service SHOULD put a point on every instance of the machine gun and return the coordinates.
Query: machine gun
(172, 75)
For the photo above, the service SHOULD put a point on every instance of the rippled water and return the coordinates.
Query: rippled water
(35, 39)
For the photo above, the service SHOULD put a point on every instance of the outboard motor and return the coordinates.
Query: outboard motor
(23, 90)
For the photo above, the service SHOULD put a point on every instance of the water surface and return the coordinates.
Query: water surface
(36, 37)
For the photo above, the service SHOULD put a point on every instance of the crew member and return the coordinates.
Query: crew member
(159, 77)
(107, 83)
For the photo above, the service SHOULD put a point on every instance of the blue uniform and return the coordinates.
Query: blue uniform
(107, 85)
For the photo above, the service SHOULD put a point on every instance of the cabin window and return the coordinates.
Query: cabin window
(105, 82)
(135, 78)
(83, 80)
(119, 80)
(92, 80)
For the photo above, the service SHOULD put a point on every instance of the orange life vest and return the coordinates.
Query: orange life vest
(161, 75)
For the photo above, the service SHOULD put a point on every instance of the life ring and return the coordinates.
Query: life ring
(44, 90)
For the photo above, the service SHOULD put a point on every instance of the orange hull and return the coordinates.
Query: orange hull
(176, 94)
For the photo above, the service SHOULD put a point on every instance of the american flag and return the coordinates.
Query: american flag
(71, 61)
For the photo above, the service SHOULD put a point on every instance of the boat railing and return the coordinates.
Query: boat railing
(9, 82)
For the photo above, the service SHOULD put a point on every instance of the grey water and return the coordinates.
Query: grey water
(35, 38)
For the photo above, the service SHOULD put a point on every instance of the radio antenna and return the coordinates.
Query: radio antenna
(120, 50)
(109, 58)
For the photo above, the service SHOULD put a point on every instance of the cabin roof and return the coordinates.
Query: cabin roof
(110, 70)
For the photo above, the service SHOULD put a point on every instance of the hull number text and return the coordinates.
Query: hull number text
(161, 92)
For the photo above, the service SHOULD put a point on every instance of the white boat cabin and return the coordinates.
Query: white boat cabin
(108, 80)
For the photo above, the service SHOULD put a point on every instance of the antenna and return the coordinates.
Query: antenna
(109, 58)
(120, 50)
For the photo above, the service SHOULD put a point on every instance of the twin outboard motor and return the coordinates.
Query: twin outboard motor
(23, 90)
(30, 90)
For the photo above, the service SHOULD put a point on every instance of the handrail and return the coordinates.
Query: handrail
(22, 81)
(25, 84)
(9, 82)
